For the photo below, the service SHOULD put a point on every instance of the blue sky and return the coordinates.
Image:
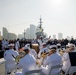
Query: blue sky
(58, 16)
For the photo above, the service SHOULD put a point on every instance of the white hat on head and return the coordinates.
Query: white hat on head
(70, 45)
(25, 48)
(53, 47)
(10, 45)
(27, 45)
(58, 44)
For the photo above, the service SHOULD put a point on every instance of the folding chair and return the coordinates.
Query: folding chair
(56, 67)
(72, 69)
(39, 72)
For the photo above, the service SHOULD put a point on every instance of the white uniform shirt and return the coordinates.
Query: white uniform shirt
(33, 52)
(4, 44)
(10, 60)
(66, 62)
(28, 62)
(58, 51)
(51, 60)
(40, 43)
(42, 50)
(17, 45)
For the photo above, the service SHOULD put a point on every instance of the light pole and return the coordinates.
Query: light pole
(24, 34)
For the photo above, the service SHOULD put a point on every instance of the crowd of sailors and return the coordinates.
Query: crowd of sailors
(21, 42)
(50, 53)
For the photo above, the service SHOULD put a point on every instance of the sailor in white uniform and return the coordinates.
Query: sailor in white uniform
(44, 49)
(4, 44)
(9, 56)
(52, 60)
(42, 53)
(58, 48)
(17, 45)
(32, 51)
(65, 58)
(28, 62)
(40, 43)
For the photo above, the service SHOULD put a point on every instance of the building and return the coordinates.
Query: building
(72, 37)
(54, 36)
(20, 36)
(0, 36)
(32, 31)
(68, 37)
(27, 35)
(60, 36)
(5, 33)
(12, 36)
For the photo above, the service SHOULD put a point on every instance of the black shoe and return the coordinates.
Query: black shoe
(74, 73)
(8, 72)
(62, 72)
